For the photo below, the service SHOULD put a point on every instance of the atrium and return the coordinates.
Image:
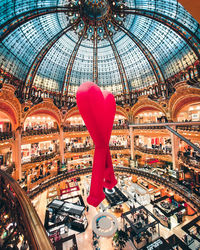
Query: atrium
(147, 54)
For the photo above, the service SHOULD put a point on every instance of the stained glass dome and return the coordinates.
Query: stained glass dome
(123, 45)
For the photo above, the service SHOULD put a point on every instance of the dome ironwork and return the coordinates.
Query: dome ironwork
(121, 45)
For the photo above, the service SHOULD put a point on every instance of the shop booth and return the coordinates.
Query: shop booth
(79, 162)
(65, 217)
(177, 243)
(159, 244)
(68, 242)
(38, 151)
(141, 225)
(192, 236)
(169, 212)
(114, 197)
(70, 187)
(139, 194)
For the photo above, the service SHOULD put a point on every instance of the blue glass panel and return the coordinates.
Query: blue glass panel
(20, 48)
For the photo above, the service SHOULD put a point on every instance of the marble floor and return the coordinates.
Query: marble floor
(85, 241)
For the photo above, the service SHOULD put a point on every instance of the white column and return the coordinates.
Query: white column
(132, 143)
(61, 143)
(17, 153)
(175, 148)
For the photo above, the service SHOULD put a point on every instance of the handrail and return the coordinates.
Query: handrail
(6, 135)
(39, 132)
(41, 158)
(119, 147)
(79, 150)
(183, 138)
(187, 161)
(80, 128)
(152, 151)
(193, 128)
(37, 236)
(175, 187)
(140, 125)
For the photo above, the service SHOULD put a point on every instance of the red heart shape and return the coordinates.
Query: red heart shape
(98, 111)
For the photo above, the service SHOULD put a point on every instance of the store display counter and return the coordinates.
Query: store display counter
(169, 211)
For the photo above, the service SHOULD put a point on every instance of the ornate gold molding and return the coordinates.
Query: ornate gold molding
(10, 105)
(45, 107)
(184, 95)
(145, 102)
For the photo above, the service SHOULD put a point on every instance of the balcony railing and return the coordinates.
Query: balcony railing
(194, 128)
(83, 128)
(191, 198)
(6, 135)
(18, 219)
(149, 127)
(153, 151)
(40, 132)
(75, 128)
(122, 126)
(41, 158)
(189, 161)
(121, 147)
(78, 150)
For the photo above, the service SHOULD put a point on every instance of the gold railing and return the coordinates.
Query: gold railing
(27, 221)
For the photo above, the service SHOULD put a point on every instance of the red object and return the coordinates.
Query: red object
(157, 141)
(69, 190)
(97, 109)
(151, 161)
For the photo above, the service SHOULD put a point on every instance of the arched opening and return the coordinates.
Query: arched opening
(149, 115)
(189, 112)
(5, 123)
(5, 134)
(78, 148)
(120, 121)
(38, 125)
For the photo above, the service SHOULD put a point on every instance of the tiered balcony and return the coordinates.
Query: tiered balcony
(178, 189)
(121, 147)
(189, 161)
(42, 158)
(40, 132)
(193, 128)
(78, 150)
(6, 136)
(153, 151)
(78, 128)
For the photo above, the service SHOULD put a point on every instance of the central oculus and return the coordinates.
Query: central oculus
(95, 9)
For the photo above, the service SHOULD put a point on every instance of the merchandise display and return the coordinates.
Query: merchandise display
(99, 125)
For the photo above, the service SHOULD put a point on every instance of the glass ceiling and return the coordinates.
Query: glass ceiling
(22, 48)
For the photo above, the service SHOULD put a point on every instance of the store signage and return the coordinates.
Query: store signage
(155, 244)
(195, 117)
(158, 244)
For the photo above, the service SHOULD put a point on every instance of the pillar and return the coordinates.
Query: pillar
(175, 149)
(132, 143)
(17, 153)
(61, 143)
